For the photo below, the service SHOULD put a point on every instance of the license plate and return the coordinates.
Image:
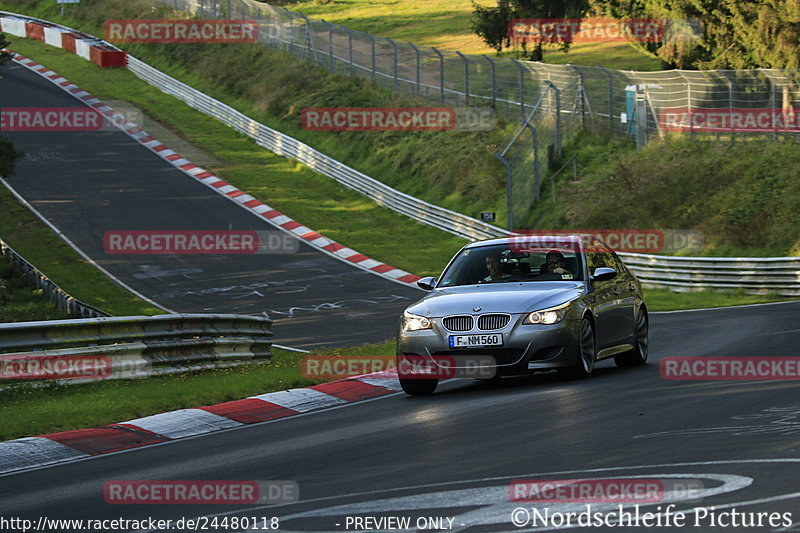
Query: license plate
(476, 341)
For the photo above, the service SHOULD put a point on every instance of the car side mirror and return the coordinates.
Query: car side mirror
(603, 274)
(427, 283)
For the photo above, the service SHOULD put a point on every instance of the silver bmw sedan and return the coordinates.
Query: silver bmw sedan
(522, 304)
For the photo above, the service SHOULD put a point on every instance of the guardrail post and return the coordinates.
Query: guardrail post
(521, 88)
(394, 65)
(466, 77)
(419, 81)
(494, 79)
(441, 73)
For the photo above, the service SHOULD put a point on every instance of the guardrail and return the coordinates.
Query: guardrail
(779, 275)
(52, 292)
(75, 351)
(444, 219)
(281, 144)
(677, 273)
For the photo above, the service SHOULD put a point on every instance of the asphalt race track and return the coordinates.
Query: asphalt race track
(88, 183)
(453, 454)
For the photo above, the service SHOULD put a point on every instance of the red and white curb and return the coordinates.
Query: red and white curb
(42, 450)
(242, 199)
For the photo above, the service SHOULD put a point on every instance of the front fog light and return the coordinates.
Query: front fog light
(415, 322)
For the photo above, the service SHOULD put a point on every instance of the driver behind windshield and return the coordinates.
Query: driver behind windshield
(494, 268)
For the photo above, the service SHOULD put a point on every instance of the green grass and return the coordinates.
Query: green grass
(743, 196)
(19, 302)
(667, 300)
(417, 164)
(324, 205)
(452, 170)
(36, 411)
(446, 24)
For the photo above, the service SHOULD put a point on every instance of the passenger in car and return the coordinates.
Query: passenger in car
(554, 263)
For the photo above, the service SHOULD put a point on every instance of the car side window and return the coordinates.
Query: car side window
(619, 265)
(597, 257)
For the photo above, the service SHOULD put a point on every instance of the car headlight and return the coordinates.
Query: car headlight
(551, 315)
(415, 322)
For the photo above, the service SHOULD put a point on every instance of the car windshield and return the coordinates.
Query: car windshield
(503, 263)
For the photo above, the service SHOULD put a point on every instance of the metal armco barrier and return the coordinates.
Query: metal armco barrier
(52, 292)
(278, 143)
(127, 347)
(758, 275)
(779, 275)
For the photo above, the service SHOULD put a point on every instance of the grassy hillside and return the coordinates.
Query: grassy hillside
(19, 302)
(744, 195)
(616, 186)
(445, 24)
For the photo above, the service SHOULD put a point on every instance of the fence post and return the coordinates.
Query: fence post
(331, 61)
(689, 107)
(416, 50)
(466, 77)
(641, 118)
(350, 50)
(441, 73)
(581, 97)
(521, 88)
(555, 90)
(494, 80)
(309, 43)
(610, 101)
(291, 32)
(394, 65)
(536, 175)
(509, 205)
(724, 74)
(372, 47)
(772, 105)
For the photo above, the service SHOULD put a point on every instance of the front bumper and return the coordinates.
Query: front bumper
(526, 347)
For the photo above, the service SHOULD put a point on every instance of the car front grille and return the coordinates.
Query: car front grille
(488, 322)
(458, 322)
(492, 322)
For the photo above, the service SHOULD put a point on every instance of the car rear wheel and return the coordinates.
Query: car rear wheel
(419, 387)
(587, 353)
(637, 356)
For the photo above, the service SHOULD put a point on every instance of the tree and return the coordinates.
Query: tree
(492, 23)
(718, 34)
(8, 154)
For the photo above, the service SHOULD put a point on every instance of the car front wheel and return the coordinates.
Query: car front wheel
(587, 353)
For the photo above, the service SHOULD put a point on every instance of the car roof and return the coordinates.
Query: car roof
(521, 238)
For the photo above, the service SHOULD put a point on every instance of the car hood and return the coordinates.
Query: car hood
(496, 298)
